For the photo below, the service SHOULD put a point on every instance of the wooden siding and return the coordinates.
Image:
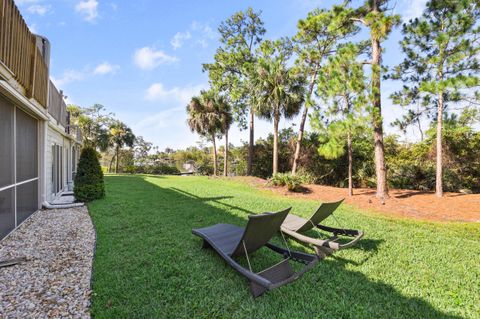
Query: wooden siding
(19, 53)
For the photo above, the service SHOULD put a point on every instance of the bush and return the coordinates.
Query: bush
(89, 177)
(293, 182)
(164, 169)
(157, 169)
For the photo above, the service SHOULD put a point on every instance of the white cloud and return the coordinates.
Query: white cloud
(161, 119)
(106, 68)
(67, 77)
(39, 9)
(147, 58)
(179, 38)
(413, 9)
(88, 8)
(201, 33)
(157, 92)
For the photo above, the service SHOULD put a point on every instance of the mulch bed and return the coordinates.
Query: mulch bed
(414, 204)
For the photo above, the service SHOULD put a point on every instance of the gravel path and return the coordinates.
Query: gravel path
(54, 282)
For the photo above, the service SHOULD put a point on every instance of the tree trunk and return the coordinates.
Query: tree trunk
(302, 124)
(117, 150)
(439, 168)
(225, 157)
(276, 119)
(111, 164)
(420, 130)
(350, 164)
(380, 167)
(215, 162)
(251, 142)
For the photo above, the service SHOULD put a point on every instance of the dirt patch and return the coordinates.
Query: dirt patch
(402, 203)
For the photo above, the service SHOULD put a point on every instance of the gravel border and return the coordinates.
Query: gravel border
(55, 281)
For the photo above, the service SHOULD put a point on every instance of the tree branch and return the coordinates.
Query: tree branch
(359, 20)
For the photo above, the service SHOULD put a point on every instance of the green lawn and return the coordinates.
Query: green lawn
(149, 265)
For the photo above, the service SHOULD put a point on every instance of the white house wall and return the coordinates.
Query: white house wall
(54, 137)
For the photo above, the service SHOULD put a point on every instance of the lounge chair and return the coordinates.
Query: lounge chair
(294, 226)
(231, 241)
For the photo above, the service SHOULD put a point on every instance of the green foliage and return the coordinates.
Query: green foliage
(235, 59)
(292, 182)
(200, 156)
(277, 90)
(94, 123)
(157, 169)
(441, 49)
(89, 177)
(209, 114)
(412, 166)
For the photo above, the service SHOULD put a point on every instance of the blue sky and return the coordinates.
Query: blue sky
(143, 59)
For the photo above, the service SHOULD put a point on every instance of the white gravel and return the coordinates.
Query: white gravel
(54, 282)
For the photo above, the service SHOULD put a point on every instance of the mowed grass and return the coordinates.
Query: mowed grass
(149, 265)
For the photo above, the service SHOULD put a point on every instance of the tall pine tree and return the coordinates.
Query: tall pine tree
(374, 15)
(342, 85)
(442, 62)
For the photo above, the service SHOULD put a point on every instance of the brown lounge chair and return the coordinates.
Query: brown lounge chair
(295, 225)
(231, 241)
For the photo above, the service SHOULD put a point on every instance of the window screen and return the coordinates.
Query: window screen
(6, 144)
(27, 200)
(27, 154)
(7, 211)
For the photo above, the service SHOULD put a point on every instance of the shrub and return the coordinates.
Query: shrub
(165, 169)
(89, 178)
(293, 182)
(156, 169)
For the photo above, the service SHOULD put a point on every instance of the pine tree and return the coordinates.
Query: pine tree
(441, 65)
(373, 15)
(342, 85)
(316, 39)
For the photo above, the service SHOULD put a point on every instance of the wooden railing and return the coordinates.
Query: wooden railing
(56, 105)
(19, 53)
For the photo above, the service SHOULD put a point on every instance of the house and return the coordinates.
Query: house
(189, 166)
(38, 147)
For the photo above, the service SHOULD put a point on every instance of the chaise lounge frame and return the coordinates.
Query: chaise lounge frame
(294, 226)
(231, 241)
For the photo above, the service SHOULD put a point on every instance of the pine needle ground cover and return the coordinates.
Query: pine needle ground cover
(149, 265)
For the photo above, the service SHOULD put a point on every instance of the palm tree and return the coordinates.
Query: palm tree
(120, 135)
(204, 119)
(278, 91)
(224, 111)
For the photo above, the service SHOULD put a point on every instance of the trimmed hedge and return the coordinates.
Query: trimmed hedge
(89, 178)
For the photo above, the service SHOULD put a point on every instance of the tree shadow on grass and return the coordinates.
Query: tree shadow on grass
(212, 199)
(148, 264)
